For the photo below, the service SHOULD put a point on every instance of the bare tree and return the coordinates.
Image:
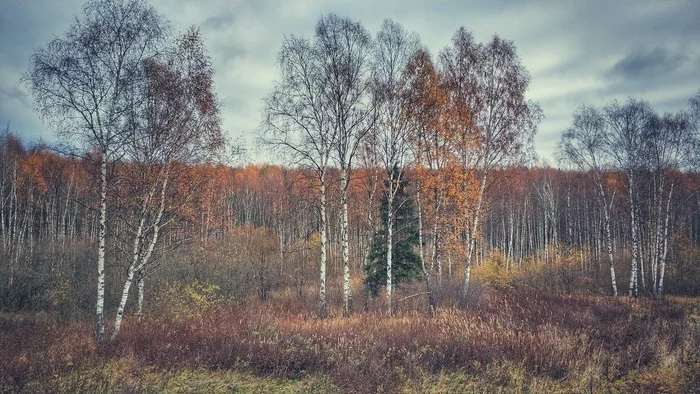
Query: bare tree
(82, 82)
(394, 50)
(296, 122)
(667, 142)
(344, 48)
(625, 128)
(584, 146)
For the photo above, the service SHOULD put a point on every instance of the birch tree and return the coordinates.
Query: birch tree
(584, 146)
(626, 126)
(430, 152)
(81, 82)
(344, 48)
(393, 52)
(667, 141)
(486, 83)
(177, 126)
(296, 121)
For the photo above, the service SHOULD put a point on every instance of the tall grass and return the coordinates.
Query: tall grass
(509, 341)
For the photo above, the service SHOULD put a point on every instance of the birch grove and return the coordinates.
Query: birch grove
(81, 84)
(398, 167)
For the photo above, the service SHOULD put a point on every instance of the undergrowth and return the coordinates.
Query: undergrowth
(510, 341)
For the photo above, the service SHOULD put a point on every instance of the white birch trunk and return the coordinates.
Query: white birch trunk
(323, 307)
(345, 247)
(389, 246)
(140, 257)
(140, 284)
(608, 241)
(99, 310)
(635, 238)
(436, 244)
(658, 236)
(664, 255)
(608, 235)
(471, 247)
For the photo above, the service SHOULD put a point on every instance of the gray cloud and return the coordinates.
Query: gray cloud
(652, 63)
(577, 51)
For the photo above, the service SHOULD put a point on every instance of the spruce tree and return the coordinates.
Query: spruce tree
(405, 261)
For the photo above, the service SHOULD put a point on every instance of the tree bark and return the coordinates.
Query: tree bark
(471, 247)
(323, 307)
(345, 247)
(99, 310)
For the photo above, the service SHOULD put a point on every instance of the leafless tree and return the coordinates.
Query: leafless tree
(626, 127)
(345, 50)
(667, 141)
(394, 50)
(584, 146)
(296, 122)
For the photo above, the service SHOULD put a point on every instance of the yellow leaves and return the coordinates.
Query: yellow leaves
(494, 270)
(190, 300)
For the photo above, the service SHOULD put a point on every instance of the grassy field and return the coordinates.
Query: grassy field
(507, 341)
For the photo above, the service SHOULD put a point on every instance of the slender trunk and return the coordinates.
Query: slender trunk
(471, 247)
(323, 307)
(609, 244)
(664, 255)
(370, 218)
(345, 247)
(99, 312)
(135, 261)
(657, 235)
(635, 240)
(140, 256)
(435, 261)
(389, 225)
(432, 307)
(140, 284)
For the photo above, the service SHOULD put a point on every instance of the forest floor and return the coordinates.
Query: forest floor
(508, 341)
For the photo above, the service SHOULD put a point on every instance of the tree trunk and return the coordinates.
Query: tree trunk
(99, 310)
(635, 238)
(389, 245)
(471, 247)
(140, 256)
(323, 307)
(140, 284)
(608, 241)
(345, 247)
(664, 255)
(432, 307)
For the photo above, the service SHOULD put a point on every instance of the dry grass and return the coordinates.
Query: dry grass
(509, 341)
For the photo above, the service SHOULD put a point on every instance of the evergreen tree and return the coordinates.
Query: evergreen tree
(405, 261)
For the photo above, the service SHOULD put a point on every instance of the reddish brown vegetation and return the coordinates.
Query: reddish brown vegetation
(574, 342)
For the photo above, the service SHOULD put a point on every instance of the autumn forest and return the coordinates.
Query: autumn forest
(407, 238)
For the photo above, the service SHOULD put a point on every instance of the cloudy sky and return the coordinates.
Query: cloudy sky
(576, 51)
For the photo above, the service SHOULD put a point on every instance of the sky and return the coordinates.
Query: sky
(577, 52)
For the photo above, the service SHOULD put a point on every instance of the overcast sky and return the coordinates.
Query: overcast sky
(577, 52)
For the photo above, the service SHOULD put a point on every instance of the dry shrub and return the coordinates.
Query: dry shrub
(512, 340)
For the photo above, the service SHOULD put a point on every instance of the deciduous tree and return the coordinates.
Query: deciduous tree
(82, 83)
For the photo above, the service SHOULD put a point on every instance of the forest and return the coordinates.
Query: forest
(407, 238)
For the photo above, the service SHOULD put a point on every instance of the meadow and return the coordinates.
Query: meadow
(505, 340)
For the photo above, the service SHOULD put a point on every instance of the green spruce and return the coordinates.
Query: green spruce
(405, 261)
